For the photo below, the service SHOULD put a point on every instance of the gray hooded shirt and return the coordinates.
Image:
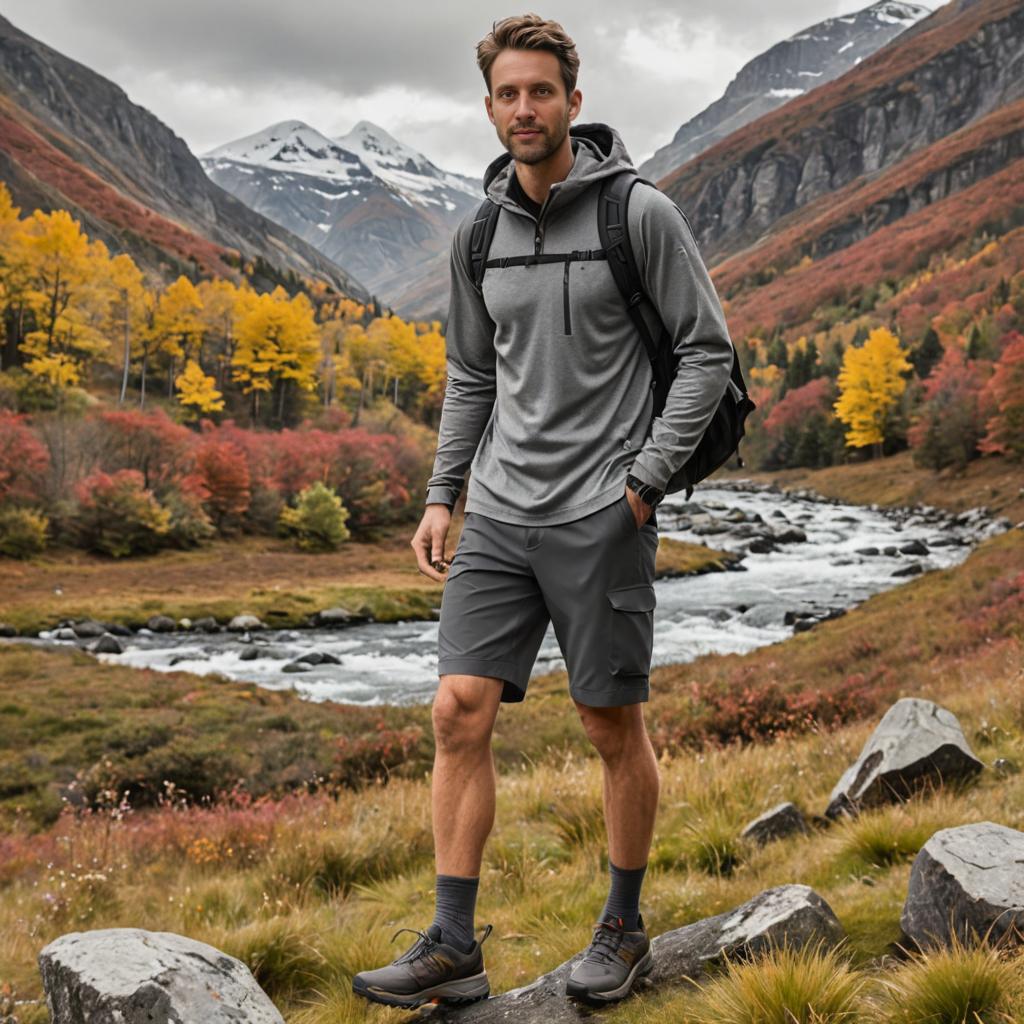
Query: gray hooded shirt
(548, 400)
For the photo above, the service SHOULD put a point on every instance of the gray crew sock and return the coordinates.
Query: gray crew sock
(624, 896)
(456, 904)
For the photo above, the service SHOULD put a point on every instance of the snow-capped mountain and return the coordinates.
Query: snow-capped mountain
(382, 204)
(789, 68)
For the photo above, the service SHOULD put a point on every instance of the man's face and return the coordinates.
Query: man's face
(528, 105)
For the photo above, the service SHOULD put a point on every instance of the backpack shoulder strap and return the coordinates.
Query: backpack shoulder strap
(480, 236)
(613, 229)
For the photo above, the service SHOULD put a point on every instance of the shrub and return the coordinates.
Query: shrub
(786, 986)
(1004, 393)
(224, 473)
(117, 516)
(317, 520)
(150, 442)
(24, 460)
(22, 532)
(190, 525)
(978, 985)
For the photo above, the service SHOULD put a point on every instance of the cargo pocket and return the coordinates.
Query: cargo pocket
(632, 629)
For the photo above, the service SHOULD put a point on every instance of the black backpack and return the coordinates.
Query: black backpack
(722, 436)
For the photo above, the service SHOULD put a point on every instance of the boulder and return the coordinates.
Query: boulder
(6, 629)
(107, 644)
(206, 624)
(122, 975)
(777, 823)
(913, 569)
(914, 547)
(161, 624)
(334, 617)
(794, 913)
(966, 881)
(916, 743)
(242, 623)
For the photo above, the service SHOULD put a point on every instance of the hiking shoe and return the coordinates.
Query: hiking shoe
(611, 963)
(429, 970)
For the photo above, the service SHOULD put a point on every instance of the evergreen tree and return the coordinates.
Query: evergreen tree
(926, 356)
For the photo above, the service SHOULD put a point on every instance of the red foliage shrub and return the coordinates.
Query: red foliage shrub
(24, 461)
(1004, 392)
(149, 442)
(950, 421)
(224, 471)
(118, 516)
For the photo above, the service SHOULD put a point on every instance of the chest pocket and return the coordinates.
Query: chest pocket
(568, 258)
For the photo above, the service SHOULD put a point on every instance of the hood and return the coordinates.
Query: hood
(598, 151)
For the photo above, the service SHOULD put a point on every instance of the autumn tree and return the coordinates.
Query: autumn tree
(1004, 394)
(177, 325)
(128, 314)
(870, 385)
(278, 348)
(197, 391)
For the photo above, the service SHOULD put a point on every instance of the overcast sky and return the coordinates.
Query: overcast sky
(215, 70)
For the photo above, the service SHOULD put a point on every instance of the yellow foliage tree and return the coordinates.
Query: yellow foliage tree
(278, 347)
(177, 324)
(128, 314)
(197, 391)
(67, 294)
(870, 384)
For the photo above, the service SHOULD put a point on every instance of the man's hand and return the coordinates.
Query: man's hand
(429, 540)
(641, 510)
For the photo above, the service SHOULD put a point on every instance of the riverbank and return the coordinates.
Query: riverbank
(994, 481)
(258, 576)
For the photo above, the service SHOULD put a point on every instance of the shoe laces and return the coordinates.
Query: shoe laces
(606, 941)
(421, 947)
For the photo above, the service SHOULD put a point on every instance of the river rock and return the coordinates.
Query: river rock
(790, 535)
(107, 644)
(88, 629)
(241, 623)
(128, 975)
(795, 913)
(334, 617)
(914, 547)
(777, 823)
(206, 624)
(161, 624)
(6, 629)
(964, 881)
(916, 743)
(913, 569)
(297, 666)
(64, 633)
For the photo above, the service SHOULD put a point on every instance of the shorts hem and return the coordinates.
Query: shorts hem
(618, 697)
(512, 689)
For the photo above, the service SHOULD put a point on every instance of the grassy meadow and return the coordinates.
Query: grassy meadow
(317, 847)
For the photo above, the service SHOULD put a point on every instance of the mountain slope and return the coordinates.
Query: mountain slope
(961, 63)
(364, 199)
(796, 65)
(73, 139)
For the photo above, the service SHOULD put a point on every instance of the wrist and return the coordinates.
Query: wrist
(647, 493)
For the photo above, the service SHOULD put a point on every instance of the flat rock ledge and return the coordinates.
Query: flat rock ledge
(916, 743)
(794, 913)
(966, 881)
(129, 975)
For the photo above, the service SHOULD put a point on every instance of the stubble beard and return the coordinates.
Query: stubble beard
(532, 153)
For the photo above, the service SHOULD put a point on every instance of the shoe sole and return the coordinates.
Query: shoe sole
(458, 992)
(581, 992)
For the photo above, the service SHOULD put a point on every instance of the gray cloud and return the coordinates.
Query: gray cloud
(217, 71)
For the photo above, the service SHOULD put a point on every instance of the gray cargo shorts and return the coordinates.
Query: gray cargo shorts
(592, 578)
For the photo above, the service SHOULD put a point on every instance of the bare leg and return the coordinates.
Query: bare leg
(631, 780)
(463, 782)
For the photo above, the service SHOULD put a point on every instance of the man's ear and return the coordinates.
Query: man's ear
(575, 103)
(487, 106)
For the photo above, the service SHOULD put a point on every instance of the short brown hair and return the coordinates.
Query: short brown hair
(529, 32)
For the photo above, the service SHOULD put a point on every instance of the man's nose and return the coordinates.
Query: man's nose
(524, 110)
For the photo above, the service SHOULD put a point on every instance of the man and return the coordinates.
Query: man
(549, 403)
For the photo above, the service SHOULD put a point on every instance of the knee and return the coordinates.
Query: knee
(460, 722)
(614, 732)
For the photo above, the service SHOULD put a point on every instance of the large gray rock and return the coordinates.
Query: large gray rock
(916, 743)
(241, 623)
(128, 975)
(795, 913)
(964, 881)
(777, 823)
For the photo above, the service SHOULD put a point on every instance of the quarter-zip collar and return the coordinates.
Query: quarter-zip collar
(598, 151)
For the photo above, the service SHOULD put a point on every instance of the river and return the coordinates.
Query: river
(734, 611)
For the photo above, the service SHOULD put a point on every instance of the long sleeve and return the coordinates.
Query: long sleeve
(681, 290)
(471, 386)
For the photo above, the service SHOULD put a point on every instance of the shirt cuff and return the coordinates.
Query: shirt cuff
(439, 494)
(643, 472)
